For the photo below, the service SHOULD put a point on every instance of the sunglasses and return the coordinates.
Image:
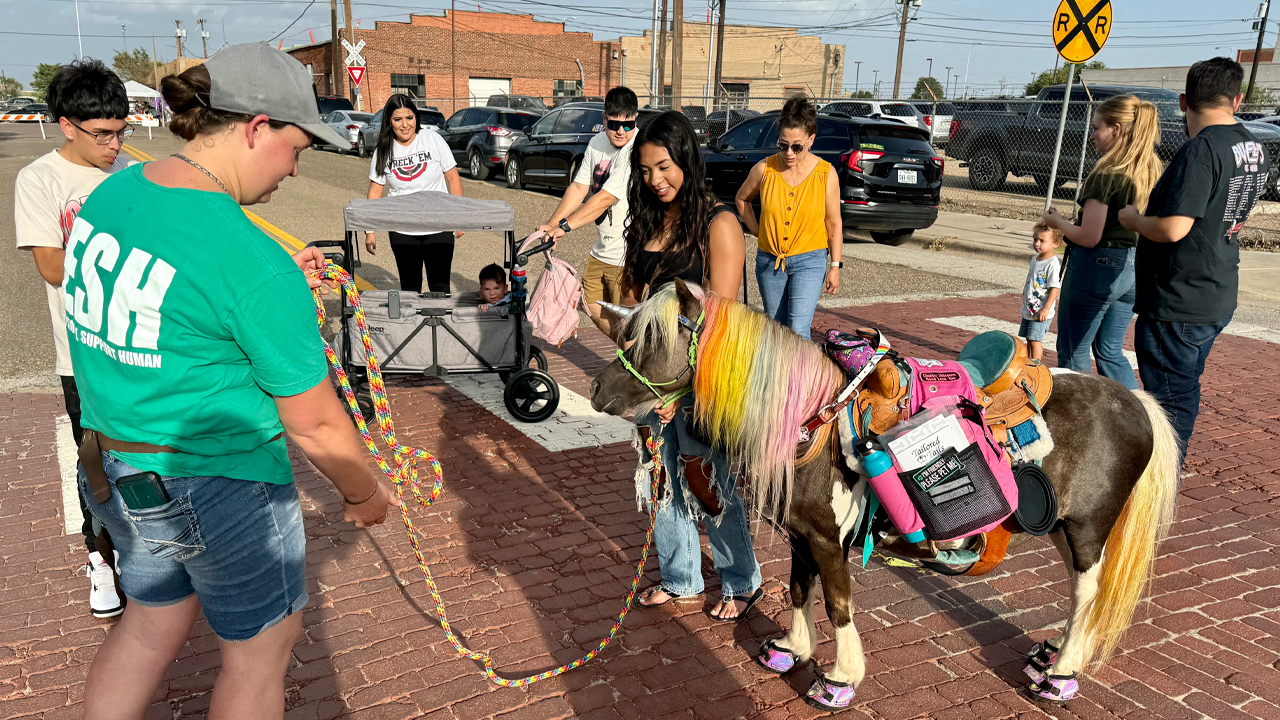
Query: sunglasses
(796, 148)
(620, 125)
(105, 138)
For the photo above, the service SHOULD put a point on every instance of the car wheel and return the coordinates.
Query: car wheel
(513, 172)
(987, 170)
(477, 167)
(361, 149)
(892, 237)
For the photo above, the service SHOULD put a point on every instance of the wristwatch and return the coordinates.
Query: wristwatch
(564, 225)
(837, 264)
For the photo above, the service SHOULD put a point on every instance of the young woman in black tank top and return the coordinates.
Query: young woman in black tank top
(676, 229)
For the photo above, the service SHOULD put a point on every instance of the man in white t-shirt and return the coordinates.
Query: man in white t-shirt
(604, 174)
(89, 103)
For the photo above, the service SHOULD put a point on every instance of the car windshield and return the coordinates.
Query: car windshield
(513, 120)
(531, 103)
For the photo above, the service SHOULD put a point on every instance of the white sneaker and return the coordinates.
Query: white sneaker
(103, 600)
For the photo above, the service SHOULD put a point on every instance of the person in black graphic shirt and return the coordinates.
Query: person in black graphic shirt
(1188, 256)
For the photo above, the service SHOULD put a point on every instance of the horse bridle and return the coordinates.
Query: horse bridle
(694, 328)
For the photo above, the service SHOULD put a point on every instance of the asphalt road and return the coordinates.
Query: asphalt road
(309, 207)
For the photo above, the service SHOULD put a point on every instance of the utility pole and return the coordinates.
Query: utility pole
(453, 53)
(124, 38)
(178, 34)
(902, 41)
(155, 65)
(1262, 31)
(335, 84)
(677, 55)
(710, 90)
(857, 75)
(204, 39)
(662, 55)
(946, 82)
(653, 58)
(719, 54)
(353, 94)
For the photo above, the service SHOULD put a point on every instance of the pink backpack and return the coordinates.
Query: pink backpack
(553, 306)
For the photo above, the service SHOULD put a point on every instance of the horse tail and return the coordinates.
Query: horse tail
(1129, 557)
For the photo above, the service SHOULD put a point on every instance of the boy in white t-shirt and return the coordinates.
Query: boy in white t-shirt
(89, 103)
(1040, 294)
(604, 174)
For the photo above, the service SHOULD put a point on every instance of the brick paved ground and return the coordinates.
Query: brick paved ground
(533, 550)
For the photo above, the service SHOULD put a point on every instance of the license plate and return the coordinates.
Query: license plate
(908, 177)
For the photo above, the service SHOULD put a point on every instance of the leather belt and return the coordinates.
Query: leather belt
(95, 443)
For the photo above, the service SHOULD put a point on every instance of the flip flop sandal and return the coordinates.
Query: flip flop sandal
(776, 659)
(830, 695)
(1039, 660)
(671, 598)
(750, 601)
(1057, 688)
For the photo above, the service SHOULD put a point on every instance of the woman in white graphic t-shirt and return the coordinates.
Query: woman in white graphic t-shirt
(409, 159)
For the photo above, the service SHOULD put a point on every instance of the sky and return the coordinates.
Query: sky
(995, 43)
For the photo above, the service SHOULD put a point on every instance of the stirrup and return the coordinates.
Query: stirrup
(1039, 660)
(776, 659)
(1057, 688)
(830, 695)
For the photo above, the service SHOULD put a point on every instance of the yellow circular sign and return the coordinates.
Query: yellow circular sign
(1081, 28)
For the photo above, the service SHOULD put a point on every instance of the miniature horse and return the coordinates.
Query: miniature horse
(1114, 467)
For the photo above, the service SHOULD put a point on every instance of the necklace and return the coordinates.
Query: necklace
(197, 166)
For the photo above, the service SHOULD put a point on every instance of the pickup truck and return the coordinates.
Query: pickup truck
(996, 137)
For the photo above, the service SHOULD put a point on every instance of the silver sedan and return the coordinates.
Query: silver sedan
(347, 123)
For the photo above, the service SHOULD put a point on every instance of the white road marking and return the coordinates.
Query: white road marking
(574, 424)
(65, 442)
(982, 323)
(1254, 332)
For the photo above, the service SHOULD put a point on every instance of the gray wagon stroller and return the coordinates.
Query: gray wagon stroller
(438, 334)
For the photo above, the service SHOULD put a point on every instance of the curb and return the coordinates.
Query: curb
(1008, 255)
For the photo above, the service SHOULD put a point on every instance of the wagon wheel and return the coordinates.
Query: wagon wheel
(531, 395)
(535, 355)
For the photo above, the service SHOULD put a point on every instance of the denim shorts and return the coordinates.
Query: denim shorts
(237, 545)
(1033, 330)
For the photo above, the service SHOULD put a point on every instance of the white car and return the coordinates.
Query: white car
(896, 110)
(347, 123)
(937, 117)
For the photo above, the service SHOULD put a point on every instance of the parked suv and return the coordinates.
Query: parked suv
(550, 152)
(890, 176)
(329, 103)
(518, 102)
(895, 110)
(367, 140)
(479, 136)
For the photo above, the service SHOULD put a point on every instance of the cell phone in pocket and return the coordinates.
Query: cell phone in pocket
(142, 491)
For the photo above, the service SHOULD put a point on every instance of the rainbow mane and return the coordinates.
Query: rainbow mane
(755, 384)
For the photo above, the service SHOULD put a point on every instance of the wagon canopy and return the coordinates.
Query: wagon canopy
(428, 212)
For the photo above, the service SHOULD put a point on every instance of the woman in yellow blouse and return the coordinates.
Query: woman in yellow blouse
(801, 237)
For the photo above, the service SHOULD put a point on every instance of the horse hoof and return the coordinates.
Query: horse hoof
(776, 659)
(1056, 688)
(830, 695)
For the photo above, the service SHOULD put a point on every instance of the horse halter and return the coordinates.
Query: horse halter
(694, 328)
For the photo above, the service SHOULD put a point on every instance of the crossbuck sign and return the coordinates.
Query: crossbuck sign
(353, 53)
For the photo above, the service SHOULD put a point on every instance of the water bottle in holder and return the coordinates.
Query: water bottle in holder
(518, 276)
(882, 475)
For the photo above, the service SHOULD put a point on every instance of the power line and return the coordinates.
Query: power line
(295, 20)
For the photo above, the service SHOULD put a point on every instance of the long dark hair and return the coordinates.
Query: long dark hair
(691, 232)
(386, 135)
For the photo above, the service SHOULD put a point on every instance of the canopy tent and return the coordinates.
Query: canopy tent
(428, 212)
(138, 90)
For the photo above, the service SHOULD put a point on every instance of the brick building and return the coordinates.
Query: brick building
(761, 64)
(496, 53)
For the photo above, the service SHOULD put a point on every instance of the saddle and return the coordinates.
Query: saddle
(1011, 388)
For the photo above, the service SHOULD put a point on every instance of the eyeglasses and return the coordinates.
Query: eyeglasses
(104, 138)
(796, 148)
(620, 125)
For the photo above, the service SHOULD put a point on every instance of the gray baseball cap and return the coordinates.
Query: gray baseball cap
(256, 79)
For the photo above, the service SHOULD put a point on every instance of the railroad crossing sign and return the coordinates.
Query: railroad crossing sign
(353, 53)
(1081, 28)
(357, 74)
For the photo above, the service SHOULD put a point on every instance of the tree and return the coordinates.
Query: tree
(1261, 96)
(862, 94)
(41, 78)
(924, 85)
(9, 88)
(1059, 76)
(135, 65)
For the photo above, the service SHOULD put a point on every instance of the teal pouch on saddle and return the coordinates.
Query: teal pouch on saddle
(986, 356)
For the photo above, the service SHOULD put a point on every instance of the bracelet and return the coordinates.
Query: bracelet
(367, 498)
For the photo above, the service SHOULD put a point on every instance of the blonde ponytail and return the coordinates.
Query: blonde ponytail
(1132, 159)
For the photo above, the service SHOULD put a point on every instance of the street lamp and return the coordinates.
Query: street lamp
(857, 72)
(930, 60)
(875, 82)
(946, 82)
(966, 69)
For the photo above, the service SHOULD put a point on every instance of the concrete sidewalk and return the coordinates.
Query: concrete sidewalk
(1009, 242)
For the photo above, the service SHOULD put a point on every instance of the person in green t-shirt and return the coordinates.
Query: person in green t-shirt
(197, 350)
(1097, 298)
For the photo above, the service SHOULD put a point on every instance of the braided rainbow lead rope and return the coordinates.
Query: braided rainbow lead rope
(406, 473)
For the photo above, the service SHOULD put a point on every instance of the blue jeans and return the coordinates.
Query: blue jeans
(791, 294)
(1094, 310)
(676, 529)
(1171, 358)
(235, 544)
